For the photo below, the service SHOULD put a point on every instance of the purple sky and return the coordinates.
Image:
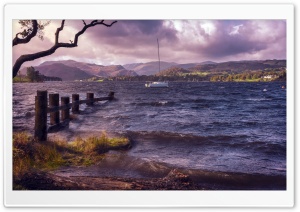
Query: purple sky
(181, 41)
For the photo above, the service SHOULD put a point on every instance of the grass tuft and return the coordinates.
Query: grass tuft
(99, 144)
(28, 153)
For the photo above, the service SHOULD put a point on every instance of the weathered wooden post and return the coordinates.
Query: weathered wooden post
(111, 95)
(65, 113)
(90, 96)
(75, 108)
(54, 102)
(40, 124)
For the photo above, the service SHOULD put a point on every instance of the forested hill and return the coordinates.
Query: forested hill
(231, 67)
(254, 71)
(241, 66)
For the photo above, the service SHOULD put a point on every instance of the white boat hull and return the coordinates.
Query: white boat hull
(157, 85)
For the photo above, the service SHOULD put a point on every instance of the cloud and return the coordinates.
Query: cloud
(235, 29)
(241, 40)
(181, 41)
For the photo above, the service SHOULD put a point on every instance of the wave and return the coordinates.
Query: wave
(258, 99)
(238, 141)
(123, 165)
(155, 103)
(238, 181)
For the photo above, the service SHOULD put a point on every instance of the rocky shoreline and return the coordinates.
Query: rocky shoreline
(39, 180)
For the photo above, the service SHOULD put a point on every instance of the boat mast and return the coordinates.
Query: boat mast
(158, 55)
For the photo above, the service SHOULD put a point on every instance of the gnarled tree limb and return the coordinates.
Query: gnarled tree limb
(30, 57)
(18, 40)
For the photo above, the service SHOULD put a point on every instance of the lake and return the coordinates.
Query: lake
(204, 128)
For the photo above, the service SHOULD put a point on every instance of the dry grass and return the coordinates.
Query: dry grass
(28, 154)
(92, 148)
(99, 144)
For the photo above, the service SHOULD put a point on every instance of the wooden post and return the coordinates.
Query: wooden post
(65, 114)
(40, 124)
(75, 108)
(54, 102)
(111, 95)
(90, 96)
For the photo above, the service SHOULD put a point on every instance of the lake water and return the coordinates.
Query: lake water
(204, 128)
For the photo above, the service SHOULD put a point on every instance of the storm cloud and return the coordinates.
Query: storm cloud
(181, 41)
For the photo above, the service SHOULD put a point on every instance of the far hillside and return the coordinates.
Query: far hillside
(173, 71)
(149, 68)
(238, 71)
(239, 66)
(66, 73)
(115, 70)
(89, 68)
(71, 70)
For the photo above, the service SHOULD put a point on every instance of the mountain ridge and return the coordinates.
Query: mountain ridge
(66, 73)
(84, 70)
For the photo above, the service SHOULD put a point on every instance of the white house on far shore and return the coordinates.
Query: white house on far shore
(269, 77)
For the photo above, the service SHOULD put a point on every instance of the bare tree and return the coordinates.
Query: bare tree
(34, 28)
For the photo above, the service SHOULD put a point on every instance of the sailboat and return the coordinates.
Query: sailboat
(158, 84)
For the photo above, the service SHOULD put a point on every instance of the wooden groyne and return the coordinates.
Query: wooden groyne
(58, 113)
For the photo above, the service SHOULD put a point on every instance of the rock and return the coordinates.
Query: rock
(177, 180)
(177, 176)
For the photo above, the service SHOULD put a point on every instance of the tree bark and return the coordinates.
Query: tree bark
(29, 57)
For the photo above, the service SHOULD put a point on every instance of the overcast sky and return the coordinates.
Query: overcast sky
(181, 41)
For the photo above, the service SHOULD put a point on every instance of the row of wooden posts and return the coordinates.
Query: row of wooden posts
(42, 109)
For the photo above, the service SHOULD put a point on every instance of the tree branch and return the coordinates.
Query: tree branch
(29, 57)
(58, 31)
(18, 40)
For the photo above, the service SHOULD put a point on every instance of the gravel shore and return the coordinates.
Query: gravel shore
(38, 180)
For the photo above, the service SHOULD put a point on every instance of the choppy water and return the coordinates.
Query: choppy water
(196, 126)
